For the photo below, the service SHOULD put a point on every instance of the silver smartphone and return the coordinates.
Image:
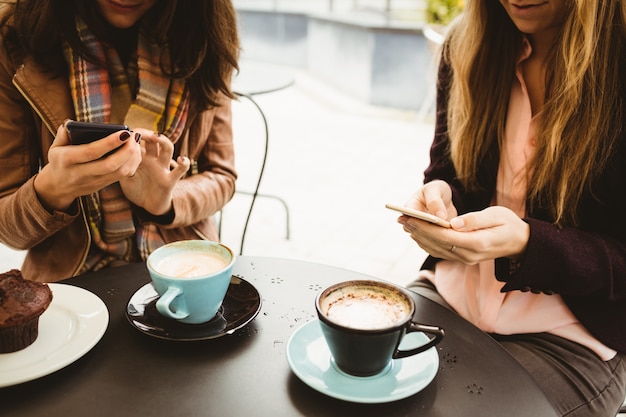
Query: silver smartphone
(422, 215)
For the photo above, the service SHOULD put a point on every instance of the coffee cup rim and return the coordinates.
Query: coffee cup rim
(208, 242)
(365, 282)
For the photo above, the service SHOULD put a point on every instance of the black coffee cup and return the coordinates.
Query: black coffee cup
(364, 322)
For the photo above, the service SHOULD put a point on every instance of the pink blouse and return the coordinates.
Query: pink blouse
(472, 290)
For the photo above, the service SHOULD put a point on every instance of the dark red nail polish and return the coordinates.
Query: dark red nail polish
(124, 135)
(137, 137)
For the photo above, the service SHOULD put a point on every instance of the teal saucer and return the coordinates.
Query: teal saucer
(309, 358)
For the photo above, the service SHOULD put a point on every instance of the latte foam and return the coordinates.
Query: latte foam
(191, 264)
(367, 310)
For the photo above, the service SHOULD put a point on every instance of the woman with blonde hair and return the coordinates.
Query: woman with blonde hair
(161, 67)
(528, 164)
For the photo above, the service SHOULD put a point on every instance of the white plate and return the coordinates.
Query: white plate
(73, 323)
(310, 360)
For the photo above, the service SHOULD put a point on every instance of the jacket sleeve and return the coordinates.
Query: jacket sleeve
(570, 261)
(24, 222)
(205, 192)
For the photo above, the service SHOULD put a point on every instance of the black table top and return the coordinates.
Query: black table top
(129, 373)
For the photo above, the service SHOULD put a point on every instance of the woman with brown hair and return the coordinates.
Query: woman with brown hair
(161, 67)
(529, 166)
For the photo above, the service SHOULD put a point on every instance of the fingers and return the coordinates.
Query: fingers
(157, 146)
(61, 137)
(180, 166)
(436, 196)
(490, 217)
(151, 144)
(161, 147)
(439, 247)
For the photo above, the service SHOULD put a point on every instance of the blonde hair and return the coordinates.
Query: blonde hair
(583, 109)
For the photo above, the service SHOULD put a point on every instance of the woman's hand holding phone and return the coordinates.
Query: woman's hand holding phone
(433, 197)
(74, 171)
(494, 232)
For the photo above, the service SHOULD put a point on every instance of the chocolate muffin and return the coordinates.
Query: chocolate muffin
(21, 303)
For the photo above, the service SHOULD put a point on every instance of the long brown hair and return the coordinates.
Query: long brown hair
(202, 35)
(583, 109)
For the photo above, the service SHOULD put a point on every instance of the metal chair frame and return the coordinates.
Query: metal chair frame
(254, 194)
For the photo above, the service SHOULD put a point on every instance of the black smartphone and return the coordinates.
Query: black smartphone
(87, 132)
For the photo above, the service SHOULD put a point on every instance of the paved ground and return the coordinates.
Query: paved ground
(335, 162)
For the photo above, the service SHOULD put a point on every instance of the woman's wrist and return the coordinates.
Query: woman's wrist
(164, 218)
(522, 244)
(50, 200)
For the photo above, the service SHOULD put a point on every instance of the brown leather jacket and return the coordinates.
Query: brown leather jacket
(33, 103)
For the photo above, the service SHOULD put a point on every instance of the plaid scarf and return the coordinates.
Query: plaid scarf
(105, 95)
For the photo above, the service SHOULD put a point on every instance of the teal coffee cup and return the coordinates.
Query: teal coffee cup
(191, 278)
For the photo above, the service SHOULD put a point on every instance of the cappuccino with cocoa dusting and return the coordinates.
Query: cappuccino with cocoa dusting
(365, 307)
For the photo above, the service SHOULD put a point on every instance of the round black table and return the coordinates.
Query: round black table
(129, 373)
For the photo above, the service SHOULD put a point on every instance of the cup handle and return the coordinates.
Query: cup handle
(164, 304)
(437, 332)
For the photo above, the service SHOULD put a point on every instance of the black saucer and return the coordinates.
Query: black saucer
(241, 304)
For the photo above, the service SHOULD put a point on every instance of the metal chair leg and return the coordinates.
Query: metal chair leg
(255, 193)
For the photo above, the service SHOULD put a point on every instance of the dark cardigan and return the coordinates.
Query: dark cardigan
(585, 265)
